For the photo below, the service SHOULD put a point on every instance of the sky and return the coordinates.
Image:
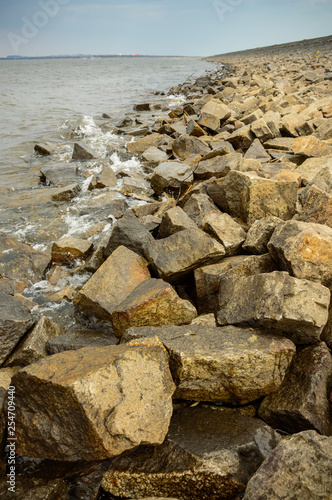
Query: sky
(162, 27)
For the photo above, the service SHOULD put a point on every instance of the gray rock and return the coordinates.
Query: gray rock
(82, 152)
(209, 454)
(59, 175)
(295, 307)
(260, 234)
(171, 176)
(301, 402)
(173, 221)
(299, 467)
(208, 278)
(129, 232)
(71, 341)
(15, 321)
(175, 257)
(198, 207)
(219, 166)
(45, 148)
(87, 397)
(304, 250)
(33, 346)
(230, 365)
(154, 156)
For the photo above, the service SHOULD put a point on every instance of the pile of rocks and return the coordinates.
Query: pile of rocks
(214, 377)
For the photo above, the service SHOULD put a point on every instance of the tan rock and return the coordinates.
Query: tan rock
(102, 401)
(311, 146)
(82, 152)
(242, 138)
(312, 166)
(152, 303)
(141, 145)
(186, 146)
(173, 221)
(119, 275)
(194, 129)
(173, 176)
(225, 230)
(216, 108)
(218, 166)
(70, 249)
(66, 193)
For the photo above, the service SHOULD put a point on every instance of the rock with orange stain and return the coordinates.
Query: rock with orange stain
(304, 250)
(310, 146)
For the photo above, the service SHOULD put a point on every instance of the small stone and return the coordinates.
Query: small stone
(142, 107)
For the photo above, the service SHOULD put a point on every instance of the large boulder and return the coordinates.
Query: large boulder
(73, 340)
(93, 403)
(15, 321)
(312, 166)
(216, 108)
(59, 175)
(249, 197)
(301, 402)
(260, 234)
(68, 250)
(205, 457)
(230, 365)
(171, 176)
(118, 276)
(310, 146)
(299, 467)
(208, 278)
(297, 308)
(304, 250)
(198, 207)
(186, 146)
(218, 166)
(173, 221)
(225, 230)
(175, 257)
(152, 303)
(317, 207)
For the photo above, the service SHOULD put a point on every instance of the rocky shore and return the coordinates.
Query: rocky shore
(199, 365)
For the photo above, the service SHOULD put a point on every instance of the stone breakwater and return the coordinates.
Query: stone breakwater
(212, 375)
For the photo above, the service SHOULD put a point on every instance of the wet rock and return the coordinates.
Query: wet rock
(186, 146)
(225, 230)
(106, 179)
(205, 457)
(129, 232)
(135, 183)
(71, 341)
(152, 303)
(260, 234)
(67, 293)
(45, 148)
(141, 145)
(297, 468)
(218, 109)
(142, 107)
(249, 197)
(66, 193)
(295, 307)
(208, 278)
(68, 250)
(301, 402)
(82, 152)
(33, 346)
(21, 262)
(154, 156)
(242, 138)
(61, 175)
(118, 276)
(87, 397)
(311, 146)
(219, 166)
(173, 176)
(229, 365)
(15, 321)
(173, 221)
(125, 122)
(304, 250)
(175, 257)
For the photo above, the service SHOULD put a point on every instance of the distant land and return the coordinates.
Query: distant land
(82, 56)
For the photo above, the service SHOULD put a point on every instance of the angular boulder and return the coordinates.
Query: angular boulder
(175, 257)
(173, 176)
(59, 175)
(216, 108)
(229, 365)
(173, 221)
(301, 402)
(100, 401)
(310, 146)
(83, 153)
(208, 278)
(118, 276)
(219, 166)
(15, 321)
(260, 234)
(141, 145)
(297, 308)
(71, 341)
(68, 250)
(299, 467)
(304, 250)
(186, 146)
(225, 230)
(205, 457)
(152, 303)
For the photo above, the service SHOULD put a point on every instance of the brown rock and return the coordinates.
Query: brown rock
(194, 129)
(70, 249)
(317, 207)
(173, 176)
(87, 396)
(219, 166)
(198, 207)
(242, 138)
(185, 146)
(45, 148)
(301, 401)
(141, 145)
(257, 152)
(209, 121)
(73, 340)
(173, 221)
(66, 193)
(120, 274)
(83, 153)
(152, 303)
(225, 230)
(311, 146)
(217, 108)
(312, 166)
(260, 234)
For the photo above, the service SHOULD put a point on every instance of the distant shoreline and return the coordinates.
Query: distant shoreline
(111, 56)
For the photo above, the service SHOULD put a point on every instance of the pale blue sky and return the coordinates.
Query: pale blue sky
(168, 27)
